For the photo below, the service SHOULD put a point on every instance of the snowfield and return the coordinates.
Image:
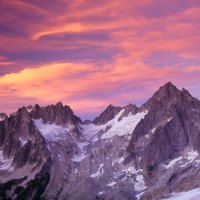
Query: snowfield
(2, 118)
(82, 155)
(5, 164)
(189, 195)
(189, 157)
(51, 132)
(122, 127)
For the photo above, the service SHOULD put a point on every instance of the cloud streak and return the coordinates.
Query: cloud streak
(85, 86)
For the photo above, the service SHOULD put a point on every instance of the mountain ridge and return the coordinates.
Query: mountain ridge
(126, 153)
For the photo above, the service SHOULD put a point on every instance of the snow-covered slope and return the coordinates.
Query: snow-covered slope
(187, 195)
(51, 132)
(146, 153)
(102, 155)
(5, 164)
(116, 126)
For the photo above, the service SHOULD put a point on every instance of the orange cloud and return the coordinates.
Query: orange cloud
(121, 34)
(73, 83)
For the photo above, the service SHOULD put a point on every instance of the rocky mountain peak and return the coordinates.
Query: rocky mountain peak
(166, 91)
(126, 153)
(29, 108)
(130, 109)
(2, 116)
(167, 131)
(58, 114)
(59, 105)
(167, 95)
(108, 114)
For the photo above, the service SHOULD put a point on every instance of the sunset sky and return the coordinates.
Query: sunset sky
(92, 53)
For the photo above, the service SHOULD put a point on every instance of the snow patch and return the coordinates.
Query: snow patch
(189, 195)
(147, 136)
(79, 158)
(118, 160)
(2, 118)
(191, 155)
(173, 162)
(90, 131)
(124, 127)
(5, 164)
(139, 182)
(23, 142)
(99, 172)
(153, 130)
(75, 171)
(82, 155)
(51, 132)
(100, 193)
(111, 184)
(169, 119)
(130, 170)
(29, 109)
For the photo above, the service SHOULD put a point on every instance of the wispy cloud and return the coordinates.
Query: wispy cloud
(92, 53)
(88, 87)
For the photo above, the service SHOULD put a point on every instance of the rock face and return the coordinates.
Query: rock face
(109, 113)
(126, 153)
(170, 130)
(58, 114)
(24, 158)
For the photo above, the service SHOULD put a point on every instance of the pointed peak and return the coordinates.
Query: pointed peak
(23, 109)
(167, 90)
(165, 94)
(169, 86)
(110, 107)
(59, 104)
(3, 116)
(22, 112)
(130, 105)
(108, 114)
(36, 106)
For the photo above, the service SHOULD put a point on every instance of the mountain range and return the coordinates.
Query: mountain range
(127, 153)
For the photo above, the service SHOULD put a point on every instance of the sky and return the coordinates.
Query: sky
(92, 53)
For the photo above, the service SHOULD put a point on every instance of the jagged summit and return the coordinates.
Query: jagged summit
(169, 85)
(168, 95)
(57, 113)
(109, 113)
(59, 104)
(145, 153)
(167, 91)
(2, 116)
(170, 91)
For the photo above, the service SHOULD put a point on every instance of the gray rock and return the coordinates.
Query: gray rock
(108, 114)
(161, 155)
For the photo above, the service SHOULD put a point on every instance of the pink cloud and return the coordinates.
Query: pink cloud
(127, 32)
